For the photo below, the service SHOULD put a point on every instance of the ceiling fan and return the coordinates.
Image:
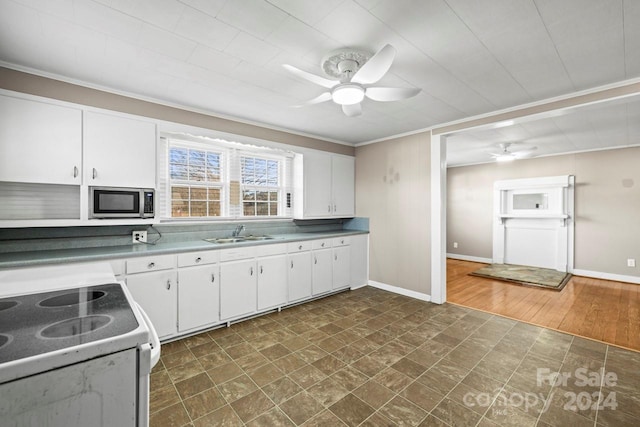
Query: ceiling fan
(355, 72)
(507, 155)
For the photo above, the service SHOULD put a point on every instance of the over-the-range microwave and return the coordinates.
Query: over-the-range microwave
(120, 202)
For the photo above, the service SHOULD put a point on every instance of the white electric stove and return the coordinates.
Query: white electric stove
(75, 349)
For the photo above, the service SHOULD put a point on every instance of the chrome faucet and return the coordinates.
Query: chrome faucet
(238, 230)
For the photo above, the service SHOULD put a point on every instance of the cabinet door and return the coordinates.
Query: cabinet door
(119, 151)
(321, 268)
(341, 267)
(198, 297)
(157, 293)
(238, 292)
(343, 186)
(39, 142)
(317, 185)
(272, 281)
(299, 276)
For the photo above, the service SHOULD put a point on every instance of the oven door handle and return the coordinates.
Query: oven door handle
(155, 341)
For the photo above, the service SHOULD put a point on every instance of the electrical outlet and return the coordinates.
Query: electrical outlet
(631, 262)
(455, 245)
(139, 236)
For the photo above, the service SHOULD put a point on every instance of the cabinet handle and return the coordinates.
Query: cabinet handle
(329, 208)
(300, 247)
(198, 259)
(251, 270)
(335, 208)
(75, 171)
(261, 269)
(342, 242)
(315, 260)
(336, 257)
(94, 174)
(213, 278)
(291, 264)
(151, 265)
(168, 284)
(322, 244)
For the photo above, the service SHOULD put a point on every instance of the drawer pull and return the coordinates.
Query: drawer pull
(322, 244)
(198, 259)
(251, 271)
(75, 171)
(300, 247)
(291, 264)
(213, 278)
(151, 265)
(336, 258)
(261, 270)
(94, 173)
(168, 284)
(328, 208)
(342, 241)
(315, 260)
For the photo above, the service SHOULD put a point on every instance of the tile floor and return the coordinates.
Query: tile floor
(372, 358)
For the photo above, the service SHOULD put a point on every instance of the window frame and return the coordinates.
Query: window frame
(279, 188)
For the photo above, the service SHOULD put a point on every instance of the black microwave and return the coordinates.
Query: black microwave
(119, 202)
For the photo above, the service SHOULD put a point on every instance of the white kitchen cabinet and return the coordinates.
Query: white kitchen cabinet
(238, 288)
(198, 297)
(272, 281)
(341, 267)
(343, 185)
(299, 271)
(119, 151)
(39, 142)
(157, 293)
(325, 186)
(321, 271)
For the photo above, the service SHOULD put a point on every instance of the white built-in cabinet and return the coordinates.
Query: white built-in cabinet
(325, 185)
(299, 271)
(186, 292)
(119, 151)
(153, 283)
(198, 290)
(40, 142)
(322, 266)
(341, 263)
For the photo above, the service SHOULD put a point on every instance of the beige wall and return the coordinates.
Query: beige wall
(392, 189)
(607, 206)
(41, 86)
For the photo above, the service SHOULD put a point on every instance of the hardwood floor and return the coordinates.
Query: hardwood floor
(598, 309)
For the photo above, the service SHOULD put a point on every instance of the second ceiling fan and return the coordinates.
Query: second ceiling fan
(355, 71)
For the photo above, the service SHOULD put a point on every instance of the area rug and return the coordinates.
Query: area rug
(525, 275)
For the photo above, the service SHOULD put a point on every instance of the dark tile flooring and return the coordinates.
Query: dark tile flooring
(372, 358)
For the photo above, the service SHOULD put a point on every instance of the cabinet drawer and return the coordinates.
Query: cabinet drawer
(152, 263)
(298, 246)
(321, 244)
(237, 253)
(265, 250)
(341, 241)
(198, 258)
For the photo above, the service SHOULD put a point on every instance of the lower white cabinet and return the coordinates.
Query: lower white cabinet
(321, 271)
(299, 276)
(341, 267)
(157, 293)
(272, 281)
(198, 297)
(238, 291)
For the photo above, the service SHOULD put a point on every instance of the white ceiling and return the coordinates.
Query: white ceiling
(469, 57)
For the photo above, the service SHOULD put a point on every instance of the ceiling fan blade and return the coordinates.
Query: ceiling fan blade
(326, 96)
(311, 77)
(386, 94)
(376, 67)
(524, 154)
(352, 110)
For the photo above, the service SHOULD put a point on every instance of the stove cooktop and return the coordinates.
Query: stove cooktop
(40, 323)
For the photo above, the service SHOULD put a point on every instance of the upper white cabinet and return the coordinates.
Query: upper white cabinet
(119, 151)
(39, 142)
(325, 186)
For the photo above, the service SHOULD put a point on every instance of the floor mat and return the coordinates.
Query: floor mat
(525, 275)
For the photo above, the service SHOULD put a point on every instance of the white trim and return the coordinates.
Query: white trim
(400, 291)
(353, 288)
(607, 276)
(470, 258)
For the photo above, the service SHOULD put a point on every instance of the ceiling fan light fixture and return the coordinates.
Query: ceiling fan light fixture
(347, 94)
(505, 158)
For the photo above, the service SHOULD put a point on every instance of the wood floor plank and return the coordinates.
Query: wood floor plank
(593, 308)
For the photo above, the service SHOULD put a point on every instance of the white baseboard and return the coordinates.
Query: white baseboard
(400, 291)
(607, 276)
(353, 288)
(470, 258)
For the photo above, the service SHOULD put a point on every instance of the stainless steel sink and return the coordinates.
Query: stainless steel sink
(237, 239)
